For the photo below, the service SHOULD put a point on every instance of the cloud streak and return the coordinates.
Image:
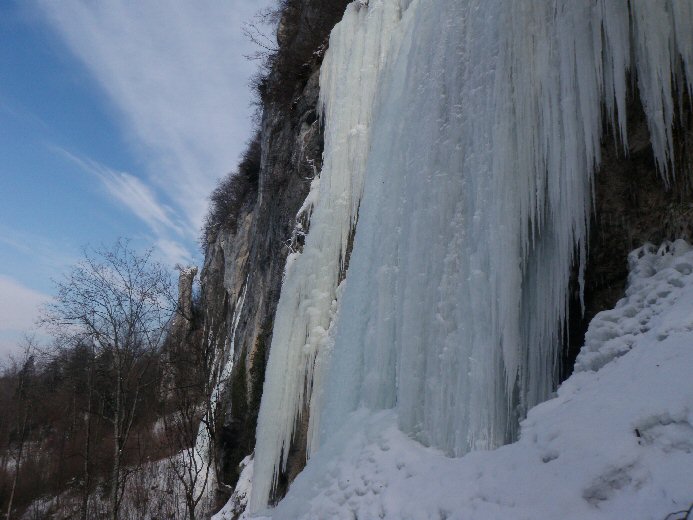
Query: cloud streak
(132, 193)
(129, 191)
(176, 75)
(172, 252)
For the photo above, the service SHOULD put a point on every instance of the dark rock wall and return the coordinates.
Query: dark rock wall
(248, 257)
(633, 205)
(249, 260)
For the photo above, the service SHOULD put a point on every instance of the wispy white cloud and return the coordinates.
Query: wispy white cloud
(50, 253)
(176, 74)
(19, 113)
(19, 309)
(137, 197)
(129, 191)
(134, 195)
(172, 253)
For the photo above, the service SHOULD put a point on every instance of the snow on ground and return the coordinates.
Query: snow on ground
(152, 492)
(616, 442)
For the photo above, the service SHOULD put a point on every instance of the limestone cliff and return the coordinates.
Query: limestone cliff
(245, 258)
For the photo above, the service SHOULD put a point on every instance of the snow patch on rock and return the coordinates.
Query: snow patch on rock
(235, 508)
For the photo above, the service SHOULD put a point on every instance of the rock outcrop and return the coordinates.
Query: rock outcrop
(244, 262)
(633, 205)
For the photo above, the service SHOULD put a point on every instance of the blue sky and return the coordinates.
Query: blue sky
(116, 119)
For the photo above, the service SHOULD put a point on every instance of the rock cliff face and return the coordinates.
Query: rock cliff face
(249, 260)
(244, 263)
(633, 205)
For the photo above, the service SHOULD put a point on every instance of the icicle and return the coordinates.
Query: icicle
(225, 373)
(477, 193)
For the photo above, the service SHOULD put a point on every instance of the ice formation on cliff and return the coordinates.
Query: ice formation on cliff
(463, 136)
(616, 441)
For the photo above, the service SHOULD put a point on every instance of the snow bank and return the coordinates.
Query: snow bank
(616, 441)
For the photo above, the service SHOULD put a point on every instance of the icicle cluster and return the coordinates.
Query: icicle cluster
(473, 129)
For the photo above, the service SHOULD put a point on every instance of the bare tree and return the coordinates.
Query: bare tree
(86, 419)
(188, 362)
(189, 462)
(24, 400)
(259, 33)
(118, 302)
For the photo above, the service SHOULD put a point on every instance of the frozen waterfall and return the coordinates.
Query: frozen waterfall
(461, 137)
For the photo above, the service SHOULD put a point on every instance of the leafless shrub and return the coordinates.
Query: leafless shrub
(118, 304)
(302, 31)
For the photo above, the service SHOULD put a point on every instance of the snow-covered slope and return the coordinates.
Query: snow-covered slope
(616, 441)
